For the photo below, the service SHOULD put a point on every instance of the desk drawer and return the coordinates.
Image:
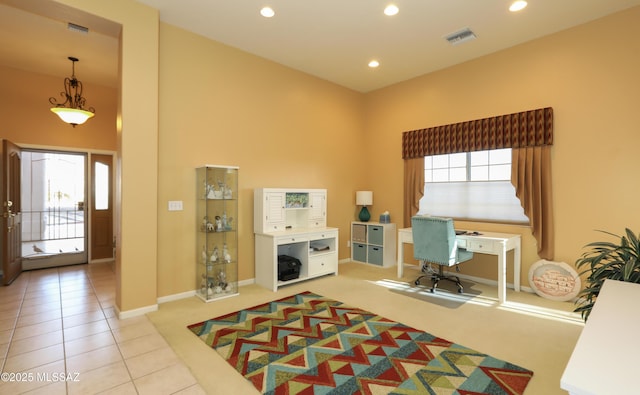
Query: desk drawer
(483, 246)
(291, 239)
(322, 264)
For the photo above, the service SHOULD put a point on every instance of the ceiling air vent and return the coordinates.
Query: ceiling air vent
(460, 36)
(77, 28)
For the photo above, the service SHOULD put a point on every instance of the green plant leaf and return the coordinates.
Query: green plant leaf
(607, 260)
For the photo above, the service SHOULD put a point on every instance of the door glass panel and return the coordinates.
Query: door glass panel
(102, 186)
(53, 216)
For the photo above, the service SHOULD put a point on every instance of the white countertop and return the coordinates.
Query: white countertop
(605, 359)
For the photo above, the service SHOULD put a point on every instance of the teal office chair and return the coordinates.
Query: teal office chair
(434, 242)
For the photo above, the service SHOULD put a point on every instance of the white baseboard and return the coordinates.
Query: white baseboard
(135, 312)
(246, 282)
(492, 283)
(181, 295)
(188, 294)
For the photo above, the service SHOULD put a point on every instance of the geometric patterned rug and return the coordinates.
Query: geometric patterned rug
(309, 344)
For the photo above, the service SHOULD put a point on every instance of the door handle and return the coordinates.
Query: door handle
(8, 213)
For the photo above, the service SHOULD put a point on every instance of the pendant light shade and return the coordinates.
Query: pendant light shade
(72, 115)
(72, 110)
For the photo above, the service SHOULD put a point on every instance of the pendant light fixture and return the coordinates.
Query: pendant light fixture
(72, 109)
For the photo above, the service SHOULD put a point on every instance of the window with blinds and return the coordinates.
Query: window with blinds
(472, 186)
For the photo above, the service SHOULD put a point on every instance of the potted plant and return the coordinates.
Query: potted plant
(607, 260)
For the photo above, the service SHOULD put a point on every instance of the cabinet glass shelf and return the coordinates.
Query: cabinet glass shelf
(216, 233)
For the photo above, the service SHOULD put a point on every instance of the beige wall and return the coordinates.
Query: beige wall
(589, 75)
(283, 128)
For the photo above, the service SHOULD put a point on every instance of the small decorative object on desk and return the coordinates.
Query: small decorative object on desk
(385, 218)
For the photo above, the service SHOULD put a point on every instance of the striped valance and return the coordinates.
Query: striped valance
(519, 130)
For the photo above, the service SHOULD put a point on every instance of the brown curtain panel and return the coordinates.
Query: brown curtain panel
(531, 176)
(528, 133)
(413, 188)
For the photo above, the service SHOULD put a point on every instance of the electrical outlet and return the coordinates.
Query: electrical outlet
(175, 205)
(348, 243)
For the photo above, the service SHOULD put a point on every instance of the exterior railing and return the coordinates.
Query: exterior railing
(52, 224)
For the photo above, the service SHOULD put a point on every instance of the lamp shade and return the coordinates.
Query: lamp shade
(72, 115)
(364, 198)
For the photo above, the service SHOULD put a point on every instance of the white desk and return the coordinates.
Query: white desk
(604, 360)
(487, 243)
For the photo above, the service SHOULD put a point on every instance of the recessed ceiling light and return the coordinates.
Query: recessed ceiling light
(517, 5)
(374, 63)
(267, 12)
(391, 10)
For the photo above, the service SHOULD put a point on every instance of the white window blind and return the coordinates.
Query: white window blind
(473, 185)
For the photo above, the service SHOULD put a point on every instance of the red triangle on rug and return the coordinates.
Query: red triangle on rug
(363, 330)
(420, 355)
(333, 344)
(391, 375)
(257, 380)
(404, 336)
(513, 382)
(378, 351)
(346, 370)
(298, 361)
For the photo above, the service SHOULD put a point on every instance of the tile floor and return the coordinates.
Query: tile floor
(59, 335)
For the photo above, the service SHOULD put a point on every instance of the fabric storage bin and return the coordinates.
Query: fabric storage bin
(376, 233)
(359, 233)
(375, 255)
(360, 252)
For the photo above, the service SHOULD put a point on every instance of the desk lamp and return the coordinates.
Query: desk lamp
(364, 199)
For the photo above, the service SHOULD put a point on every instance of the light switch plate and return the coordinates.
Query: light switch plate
(175, 205)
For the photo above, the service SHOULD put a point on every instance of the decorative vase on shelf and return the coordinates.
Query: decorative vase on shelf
(364, 215)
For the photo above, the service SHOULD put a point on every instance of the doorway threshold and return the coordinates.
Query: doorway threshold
(42, 261)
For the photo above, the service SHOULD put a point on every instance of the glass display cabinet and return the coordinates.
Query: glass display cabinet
(217, 232)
